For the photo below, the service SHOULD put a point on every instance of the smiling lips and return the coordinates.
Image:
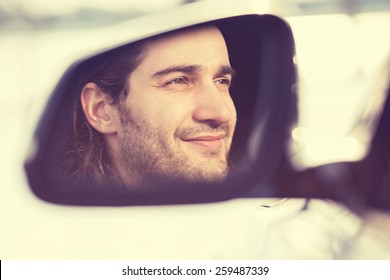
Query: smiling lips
(210, 142)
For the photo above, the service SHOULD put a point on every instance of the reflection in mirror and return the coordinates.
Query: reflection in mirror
(203, 111)
(152, 113)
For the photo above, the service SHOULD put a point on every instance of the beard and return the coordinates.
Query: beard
(150, 156)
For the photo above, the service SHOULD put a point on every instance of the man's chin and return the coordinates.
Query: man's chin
(207, 173)
(184, 177)
(208, 167)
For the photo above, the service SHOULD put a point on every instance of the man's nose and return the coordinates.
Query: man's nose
(213, 105)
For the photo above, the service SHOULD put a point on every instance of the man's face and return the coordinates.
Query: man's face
(178, 120)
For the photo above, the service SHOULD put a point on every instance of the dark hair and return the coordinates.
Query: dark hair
(86, 157)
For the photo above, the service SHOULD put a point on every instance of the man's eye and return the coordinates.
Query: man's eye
(223, 82)
(177, 81)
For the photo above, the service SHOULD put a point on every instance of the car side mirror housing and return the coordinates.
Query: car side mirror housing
(261, 50)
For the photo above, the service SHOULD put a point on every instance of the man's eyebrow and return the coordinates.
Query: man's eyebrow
(177, 68)
(226, 70)
(189, 69)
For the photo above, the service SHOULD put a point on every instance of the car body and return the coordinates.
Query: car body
(240, 228)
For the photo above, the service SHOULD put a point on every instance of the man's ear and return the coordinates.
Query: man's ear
(100, 114)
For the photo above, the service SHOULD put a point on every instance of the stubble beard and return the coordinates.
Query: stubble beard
(150, 157)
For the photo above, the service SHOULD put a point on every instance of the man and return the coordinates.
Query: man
(157, 111)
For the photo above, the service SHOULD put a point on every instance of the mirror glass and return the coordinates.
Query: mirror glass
(198, 113)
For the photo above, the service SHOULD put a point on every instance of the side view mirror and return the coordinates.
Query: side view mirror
(260, 49)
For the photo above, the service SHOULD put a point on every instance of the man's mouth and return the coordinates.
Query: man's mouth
(210, 142)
